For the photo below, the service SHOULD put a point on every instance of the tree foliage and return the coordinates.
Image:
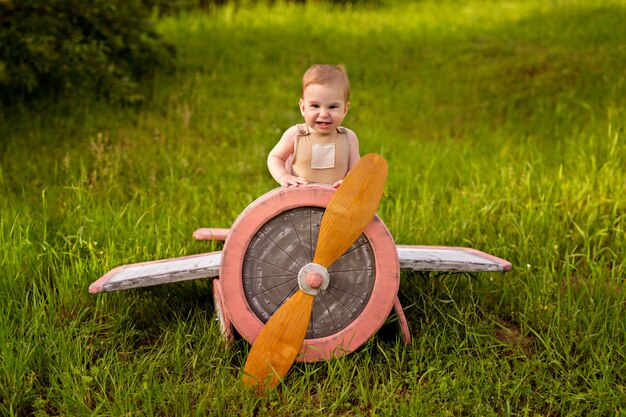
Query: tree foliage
(53, 47)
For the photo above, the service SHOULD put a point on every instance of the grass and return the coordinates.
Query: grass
(503, 124)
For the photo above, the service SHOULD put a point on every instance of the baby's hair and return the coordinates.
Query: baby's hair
(325, 75)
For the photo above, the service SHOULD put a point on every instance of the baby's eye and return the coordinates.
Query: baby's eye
(315, 106)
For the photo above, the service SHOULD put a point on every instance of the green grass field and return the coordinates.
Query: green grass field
(503, 125)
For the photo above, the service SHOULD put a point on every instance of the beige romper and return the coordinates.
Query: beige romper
(321, 158)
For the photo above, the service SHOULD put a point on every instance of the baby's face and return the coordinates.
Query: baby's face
(323, 107)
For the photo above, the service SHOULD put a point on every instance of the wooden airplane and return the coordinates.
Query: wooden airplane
(266, 258)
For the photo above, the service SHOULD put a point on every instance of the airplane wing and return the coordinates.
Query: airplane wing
(211, 233)
(146, 274)
(449, 258)
(207, 265)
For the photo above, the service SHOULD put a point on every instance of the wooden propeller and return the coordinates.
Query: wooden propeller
(349, 211)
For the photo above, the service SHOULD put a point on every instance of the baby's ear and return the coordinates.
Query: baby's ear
(347, 107)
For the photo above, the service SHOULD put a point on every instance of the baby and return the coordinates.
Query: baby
(320, 150)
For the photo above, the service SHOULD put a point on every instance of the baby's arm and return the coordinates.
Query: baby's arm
(354, 154)
(278, 157)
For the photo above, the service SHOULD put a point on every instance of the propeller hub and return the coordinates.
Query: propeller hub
(313, 278)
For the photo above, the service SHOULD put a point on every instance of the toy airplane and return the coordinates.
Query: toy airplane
(315, 251)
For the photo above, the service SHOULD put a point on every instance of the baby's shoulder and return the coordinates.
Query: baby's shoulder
(291, 132)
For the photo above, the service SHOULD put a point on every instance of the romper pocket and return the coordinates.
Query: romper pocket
(323, 156)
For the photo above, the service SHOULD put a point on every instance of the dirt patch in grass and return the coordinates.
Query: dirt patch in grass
(511, 334)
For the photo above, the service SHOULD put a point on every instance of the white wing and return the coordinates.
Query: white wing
(146, 274)
(446, 258)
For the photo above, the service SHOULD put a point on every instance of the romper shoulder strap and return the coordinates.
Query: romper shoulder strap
(303, 129)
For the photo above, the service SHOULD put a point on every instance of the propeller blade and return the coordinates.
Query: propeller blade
(278, 343)
(351, 208)
(349, 211)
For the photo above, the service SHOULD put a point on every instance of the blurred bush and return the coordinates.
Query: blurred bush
(58, 47)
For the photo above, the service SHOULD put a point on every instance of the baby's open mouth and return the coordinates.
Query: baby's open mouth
(323, 124)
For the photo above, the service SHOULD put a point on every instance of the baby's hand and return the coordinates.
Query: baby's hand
(288, 180)
(337, 184)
